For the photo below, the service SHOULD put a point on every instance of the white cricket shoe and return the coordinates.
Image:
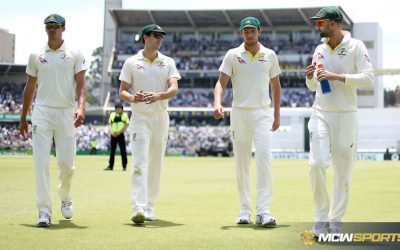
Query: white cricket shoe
(319, 228)
(44, 220)
(335, 227)
(67, 209)
(265, 220)
(244, 218)
(138, 216)
(149, 214)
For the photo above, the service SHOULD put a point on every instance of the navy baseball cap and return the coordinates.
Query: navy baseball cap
(54, 18)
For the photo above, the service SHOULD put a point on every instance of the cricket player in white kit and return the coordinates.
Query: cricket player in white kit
(58, 72)
(252, 68)
(333, 123)
(153, 79)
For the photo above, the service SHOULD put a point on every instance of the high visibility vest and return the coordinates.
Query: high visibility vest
(118, 121)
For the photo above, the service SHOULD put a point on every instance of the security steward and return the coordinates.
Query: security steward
(119, 122)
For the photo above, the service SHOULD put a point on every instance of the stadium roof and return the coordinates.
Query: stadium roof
(270, 18)
(10, 69)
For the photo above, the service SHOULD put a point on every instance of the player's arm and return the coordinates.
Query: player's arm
(29, 92)
(81, 94)
(128, 97)
(276, 99)
(219, 89)
(150, 97)
(365, 73)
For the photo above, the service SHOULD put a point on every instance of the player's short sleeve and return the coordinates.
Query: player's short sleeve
(80, 63)
(226, 66)
(275, 69)
(126, 75)
(31, 68)
(173, 71)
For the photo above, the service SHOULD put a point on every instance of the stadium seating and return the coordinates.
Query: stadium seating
(11, 97)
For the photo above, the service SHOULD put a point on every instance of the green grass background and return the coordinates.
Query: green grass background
(197, 208)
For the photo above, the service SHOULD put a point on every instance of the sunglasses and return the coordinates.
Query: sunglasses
(52, 26)
(158, 35)
(321, 22)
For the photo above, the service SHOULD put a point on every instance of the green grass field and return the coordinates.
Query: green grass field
(197, 208)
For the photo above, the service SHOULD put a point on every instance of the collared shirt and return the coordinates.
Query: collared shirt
(55, 71)
(350, 58)
(250, 75)
(149, 77)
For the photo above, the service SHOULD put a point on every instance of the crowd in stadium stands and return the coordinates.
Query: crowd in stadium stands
(10, 138)
(11, 97)
(206, 53)
(200, 141)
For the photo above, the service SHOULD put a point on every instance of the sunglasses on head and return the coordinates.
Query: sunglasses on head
(158, 35)
(50, 26)
(321, 22)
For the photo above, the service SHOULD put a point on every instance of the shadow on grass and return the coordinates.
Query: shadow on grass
(253, 227)
(155, 224)
(62, 224)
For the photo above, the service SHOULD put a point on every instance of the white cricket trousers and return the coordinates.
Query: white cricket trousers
(335, 134)
(49, 123)
(149, 135)
(253, 125)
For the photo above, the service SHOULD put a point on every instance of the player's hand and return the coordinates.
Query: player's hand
(151, 97)
(23, 127)
(323, 74)
(138, 97)
(310, 70)
(79, 117)
(276, 124)
(218, 112)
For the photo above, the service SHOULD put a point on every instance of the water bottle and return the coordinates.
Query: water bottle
(325, 88)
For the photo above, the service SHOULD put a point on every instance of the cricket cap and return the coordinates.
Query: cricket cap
(250, 22)
(331, 13)
(151, 28)
(54, 18)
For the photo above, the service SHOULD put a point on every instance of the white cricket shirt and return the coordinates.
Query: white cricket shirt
(250, 75)
(55, 71)
(350, 58)
(149, 77)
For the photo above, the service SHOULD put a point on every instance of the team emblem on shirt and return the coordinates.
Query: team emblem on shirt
(65, 56)
(42, 59)
(262, 59)
(138, 66)
(161, 63)
(240, 60)
(367, 58)
(320, 56)
(34, 128)
(342, 52)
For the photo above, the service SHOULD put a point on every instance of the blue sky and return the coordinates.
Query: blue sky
(84, 27)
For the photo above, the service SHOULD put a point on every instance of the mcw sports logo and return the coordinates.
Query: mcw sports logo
(240, 60)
